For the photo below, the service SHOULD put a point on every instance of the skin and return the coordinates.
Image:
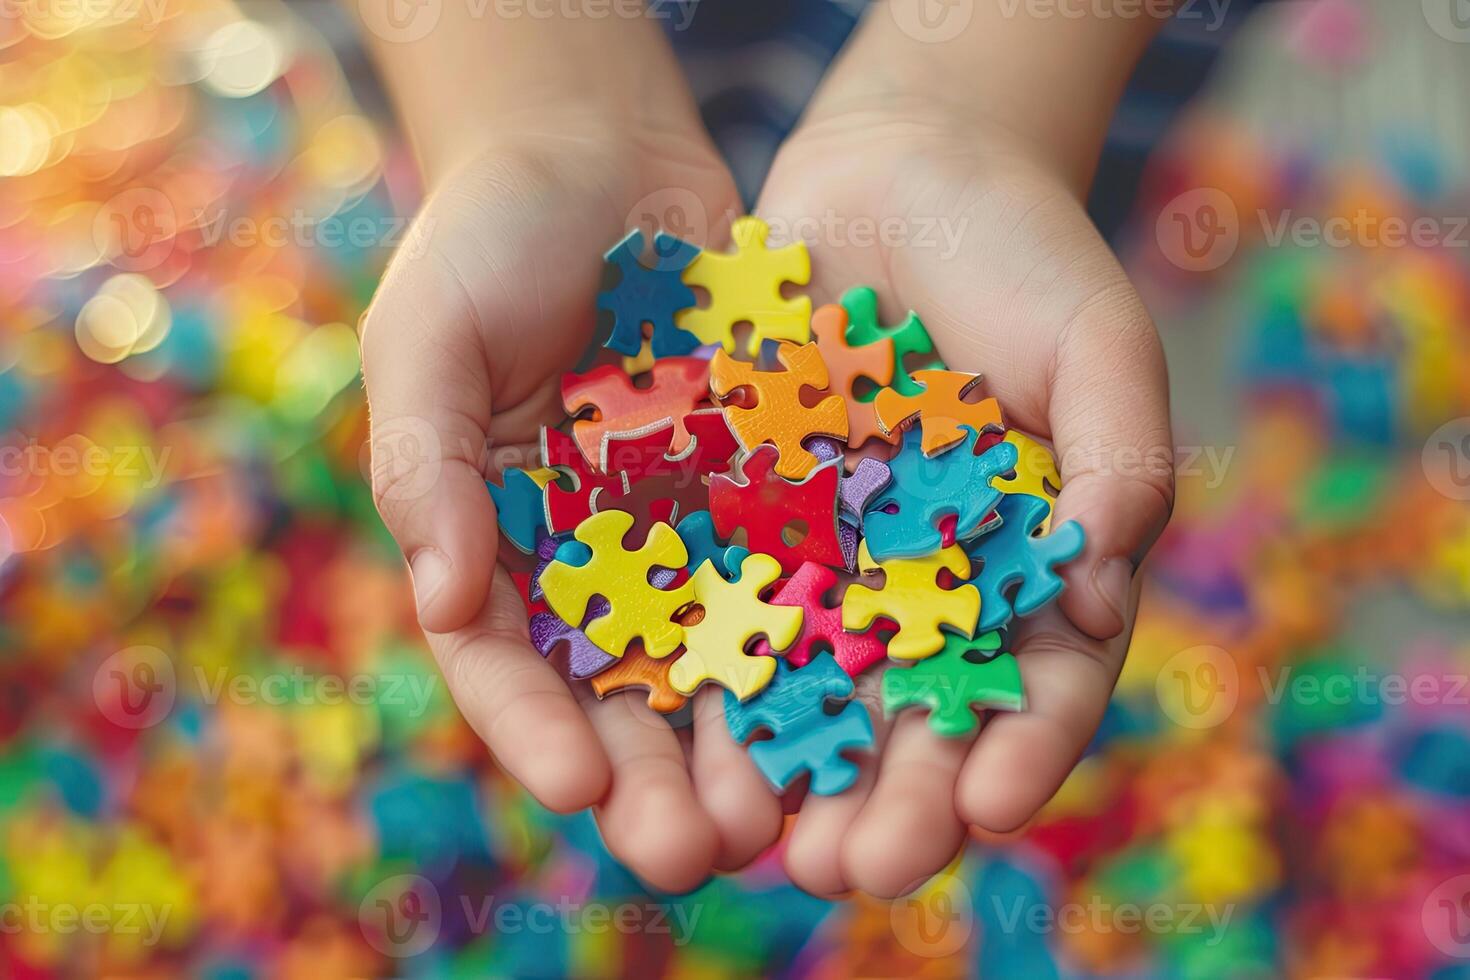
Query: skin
(534, 165)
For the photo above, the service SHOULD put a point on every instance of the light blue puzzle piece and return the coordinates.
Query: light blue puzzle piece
(806, 738)
(697, 531)
(1010, 555)
(923, 490)
(520, 509)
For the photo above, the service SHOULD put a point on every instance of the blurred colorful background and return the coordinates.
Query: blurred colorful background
(225, 752)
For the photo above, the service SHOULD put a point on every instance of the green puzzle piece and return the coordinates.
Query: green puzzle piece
(909, 337)
(951, 685)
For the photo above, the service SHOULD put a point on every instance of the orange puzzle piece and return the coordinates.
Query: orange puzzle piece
(845, 365)
(637, 669)
(941, 409)
(779, 416)
(678, 385)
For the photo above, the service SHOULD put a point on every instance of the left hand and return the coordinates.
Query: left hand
(997, 255)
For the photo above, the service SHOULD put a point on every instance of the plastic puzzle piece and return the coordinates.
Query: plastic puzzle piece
(1036, 473)
(1012, 554)
(677, 386)
(649, 294)
(913, 598)
(520, 505)
(697, 531)
(638, 670)
(778, 415)
(909, 339)
(821, 624)
(965, 675)
(805, 738)
(940, 409)
(638, 609)
(904, 520)
(847, 365)
(745, 287)
(769, 508)
(547, 631)
(733, 616)
(857, 490)
(565, 509)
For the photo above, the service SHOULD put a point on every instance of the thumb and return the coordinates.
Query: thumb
(1109, 416)
(429, 401)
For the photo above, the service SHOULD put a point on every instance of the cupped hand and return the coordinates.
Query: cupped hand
(965, 226)
(488, 301)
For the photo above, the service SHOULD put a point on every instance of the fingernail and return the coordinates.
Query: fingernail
(429, 568)
(1111, 581)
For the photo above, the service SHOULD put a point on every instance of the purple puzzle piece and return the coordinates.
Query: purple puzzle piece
(867, 480)
(585, 658)
(847, 540)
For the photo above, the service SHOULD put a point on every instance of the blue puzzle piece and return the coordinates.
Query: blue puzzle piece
(1011, 555)
(697, 531)
(902, 520)
(806, 738)
(649, 294)
(520, 508)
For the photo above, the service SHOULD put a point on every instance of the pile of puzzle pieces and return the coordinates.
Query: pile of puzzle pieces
(778, 525)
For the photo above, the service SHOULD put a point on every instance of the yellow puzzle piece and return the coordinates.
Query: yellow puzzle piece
(779, 416)
(639, 611)
(1036, 473)
(912, 598)
(745, 286)
(733, 616)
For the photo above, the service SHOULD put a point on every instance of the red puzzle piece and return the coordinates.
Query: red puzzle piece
(854, 652)
(565, 509)
(765, 505)
(678, 386)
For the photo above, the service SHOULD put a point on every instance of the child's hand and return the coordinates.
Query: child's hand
(487, 303)
(1004, 268)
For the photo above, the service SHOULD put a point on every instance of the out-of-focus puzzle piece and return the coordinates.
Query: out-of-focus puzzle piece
(1013, 554)
(778, 415)
(734, 615)
(639, 610)
(1036, 473)
(768, 507)
(913, 598)
(846, 365)
(940, 409)
(857, 490)
(821, 624)
(965, 675)
(745, 287)
(638, 670)
(697, 531)
(903, 521)
(520, 505)
(908, 338)
(676, 387)
(805, 738)
(650, 294)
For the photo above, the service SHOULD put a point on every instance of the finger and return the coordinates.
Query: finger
(813, 854)
(651, 819)
(1109, 418)
(1021, 758)
(745, 811)
(429, 400)
(522, 709)
(913, 802)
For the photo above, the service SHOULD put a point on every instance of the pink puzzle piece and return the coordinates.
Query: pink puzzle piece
(822, 624)
(767, 505)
